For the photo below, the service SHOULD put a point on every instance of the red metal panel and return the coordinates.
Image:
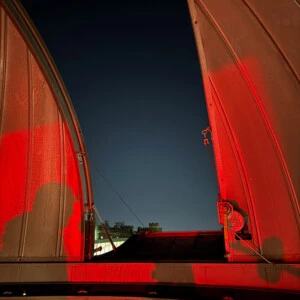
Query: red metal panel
(251, 77)
(249, 276)
(42, 183)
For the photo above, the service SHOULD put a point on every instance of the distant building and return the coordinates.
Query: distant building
(119, 233)
(154, 227)
(119, 230)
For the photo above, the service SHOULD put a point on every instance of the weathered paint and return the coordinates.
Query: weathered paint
(43, 185)
(249, 54)
(239, 275)
(250, 68)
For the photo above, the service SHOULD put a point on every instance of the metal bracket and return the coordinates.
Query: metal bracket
(80, 156)
(235, 219)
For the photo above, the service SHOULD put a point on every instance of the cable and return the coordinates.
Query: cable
(297, 3)
(229, 228)
(206, 143)
(265, 259)
(116, 192)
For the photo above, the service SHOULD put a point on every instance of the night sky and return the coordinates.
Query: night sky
(132, 71)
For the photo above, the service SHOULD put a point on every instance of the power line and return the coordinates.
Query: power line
(117, 193)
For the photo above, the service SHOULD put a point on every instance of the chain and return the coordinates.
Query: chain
(205, 138)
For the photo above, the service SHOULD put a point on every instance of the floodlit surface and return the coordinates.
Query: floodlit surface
(249, 56)
(41, 190)
(252, 94)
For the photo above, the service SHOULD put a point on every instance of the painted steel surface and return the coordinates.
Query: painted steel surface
(44, 175)
(251, 77)
(249, 54)
(239, 275)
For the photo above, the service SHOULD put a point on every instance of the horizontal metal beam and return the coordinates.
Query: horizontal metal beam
(251, 276)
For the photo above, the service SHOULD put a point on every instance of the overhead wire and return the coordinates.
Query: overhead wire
(118, 194)
(252, 248)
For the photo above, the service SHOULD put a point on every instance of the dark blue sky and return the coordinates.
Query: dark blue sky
(132, 71)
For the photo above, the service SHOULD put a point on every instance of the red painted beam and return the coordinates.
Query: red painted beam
(249, 276)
